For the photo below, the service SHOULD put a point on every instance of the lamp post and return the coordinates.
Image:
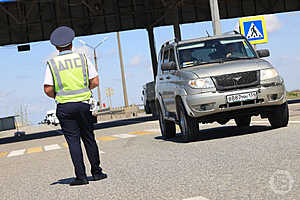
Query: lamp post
(96, 64)
(122, 71)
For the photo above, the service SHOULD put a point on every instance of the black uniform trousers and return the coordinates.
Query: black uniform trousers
(76, 121)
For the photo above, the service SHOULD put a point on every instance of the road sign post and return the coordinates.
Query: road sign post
(254, 29)
(109, 92)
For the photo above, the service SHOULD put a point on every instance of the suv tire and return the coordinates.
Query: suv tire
(188, 125)
(147, 109)
(243, 121)
(168, 128)
(280, 116)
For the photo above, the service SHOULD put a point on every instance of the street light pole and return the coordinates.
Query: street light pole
(98, 88)
(96, 65)
(122, 71)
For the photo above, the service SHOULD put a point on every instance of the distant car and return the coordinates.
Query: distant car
(51, 118)
(215, 79)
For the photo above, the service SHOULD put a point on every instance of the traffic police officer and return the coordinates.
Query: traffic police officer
(69, 79)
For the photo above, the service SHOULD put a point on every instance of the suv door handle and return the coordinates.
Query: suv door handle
(168, 77)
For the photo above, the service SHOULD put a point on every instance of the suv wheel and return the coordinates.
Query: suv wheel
(280, 116)
(168, 129)
(243, 121)
(188, 125)
(147, 109)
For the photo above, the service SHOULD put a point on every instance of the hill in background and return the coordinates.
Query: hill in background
(294, 94)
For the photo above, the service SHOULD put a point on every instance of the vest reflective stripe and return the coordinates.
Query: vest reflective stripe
(75, 89)
(83, 61)
(73, 92)
(58, 79)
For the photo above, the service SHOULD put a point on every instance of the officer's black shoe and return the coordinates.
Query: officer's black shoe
(79, 182)
(100, 176)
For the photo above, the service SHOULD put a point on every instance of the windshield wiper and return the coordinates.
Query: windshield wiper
(236, 58)
(220, 60)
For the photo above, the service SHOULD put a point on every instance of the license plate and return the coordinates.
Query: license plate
(242, 97)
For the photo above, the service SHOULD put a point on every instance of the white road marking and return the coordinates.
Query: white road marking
(153, 130)
(294, 122)
(265, 121)
(16, 153)
(52, 147)
(124, 136)
(197, 198)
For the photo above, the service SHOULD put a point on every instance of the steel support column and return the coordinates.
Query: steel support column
(153, 51)
(215, 16)
(177, 31)
(176, 26)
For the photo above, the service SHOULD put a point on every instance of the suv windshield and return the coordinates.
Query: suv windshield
(212, 51)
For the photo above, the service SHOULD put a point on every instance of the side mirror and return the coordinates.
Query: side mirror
(263, 53)
(168, 66)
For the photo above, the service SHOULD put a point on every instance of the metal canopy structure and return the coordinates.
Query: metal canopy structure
(27, 21)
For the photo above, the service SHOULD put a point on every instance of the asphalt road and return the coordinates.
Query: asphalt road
(224, 163)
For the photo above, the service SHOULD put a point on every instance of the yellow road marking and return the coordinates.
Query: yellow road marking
(35, 150)
(142, 133)
(65, 145)
(3, 154)
(107, 138)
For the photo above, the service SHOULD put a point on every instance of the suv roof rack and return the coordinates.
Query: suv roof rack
(234, 32)
(170, 42)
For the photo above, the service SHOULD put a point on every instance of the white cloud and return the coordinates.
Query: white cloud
(51, 55)
(273, 23)
(136, 60)
(5, 94)
(85, 50)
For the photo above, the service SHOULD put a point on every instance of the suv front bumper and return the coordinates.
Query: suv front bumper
(205, 104)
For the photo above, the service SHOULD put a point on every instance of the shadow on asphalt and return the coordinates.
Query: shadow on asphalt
(33, 136)
(219, 133)
(40, 135)
(123, 122)
(67, 181)
(293, 101)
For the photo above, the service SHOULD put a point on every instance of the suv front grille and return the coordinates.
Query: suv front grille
(237, 80)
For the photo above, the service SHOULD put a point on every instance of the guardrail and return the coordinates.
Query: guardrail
(118, 112)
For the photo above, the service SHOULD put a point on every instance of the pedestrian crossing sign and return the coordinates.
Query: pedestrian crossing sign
(254, 29)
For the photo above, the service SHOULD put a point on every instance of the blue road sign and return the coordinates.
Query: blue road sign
(254, 29)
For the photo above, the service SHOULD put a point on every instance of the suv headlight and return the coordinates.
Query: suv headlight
(266, 74)
(202, 83)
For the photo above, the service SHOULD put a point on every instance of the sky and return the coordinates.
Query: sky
(23, 72)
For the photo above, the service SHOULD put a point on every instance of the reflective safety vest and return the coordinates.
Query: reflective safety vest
(70, 77)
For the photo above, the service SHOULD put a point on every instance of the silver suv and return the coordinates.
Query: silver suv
(216, 79)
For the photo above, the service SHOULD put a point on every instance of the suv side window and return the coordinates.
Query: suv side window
(172, 56)
(159, 59)
(166, 56)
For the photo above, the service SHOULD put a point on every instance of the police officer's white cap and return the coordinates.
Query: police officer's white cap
(62, 36)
